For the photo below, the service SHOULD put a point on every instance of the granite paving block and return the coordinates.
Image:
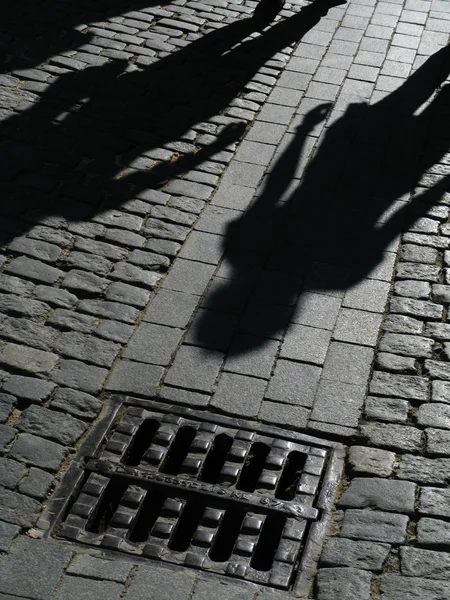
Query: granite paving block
(195, 368)
(316, 310)
(153, 344)
(338, 403)
(134, 378)
(239, 395)
(348, 363)
(307, 344)
(357, 327)
(294, 383)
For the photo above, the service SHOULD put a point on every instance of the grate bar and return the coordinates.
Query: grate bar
(182, 487)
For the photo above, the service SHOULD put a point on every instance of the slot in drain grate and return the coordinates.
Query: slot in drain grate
(212, 496)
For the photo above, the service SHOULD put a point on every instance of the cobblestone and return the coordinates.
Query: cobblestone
(379, 494)
(342, 552)
(374, 526)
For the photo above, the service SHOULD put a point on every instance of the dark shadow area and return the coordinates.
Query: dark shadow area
(68, 154)
(31, 31)
(336, 225)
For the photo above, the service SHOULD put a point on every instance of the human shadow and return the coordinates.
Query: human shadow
(31, 31)
(79, 140)
(335, 227)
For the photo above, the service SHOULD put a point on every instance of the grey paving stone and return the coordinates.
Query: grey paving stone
(127, 294)
(191, 189)
(15, 285)
(18, 509)
(34, 270)
(8, 532)
(407, 345)
(404, 324)
(438, 442)
(7, 434)
(357, 327)
(154, 344)
(441, 293)
(397, 364)
(132, 274)
(7, 402)
(419, 254)
(109, 310)
(434, 502)
(114, 331)
(27, 332)
(239, 395)
(339, 583)
(11, 472)
(233, 195)
(295, 417)
(328, 429)
(78, 375)
(29, 388)
(317, 310)
(73, 588)
(433, 532)
(268, 133)
(35, 451)
(216, 219)
(181, 396)
(294, 383)
(437, 369)
(434, 415)
(413, 289)
(212, 329)
(70, 320)
(409, 387)
(157, 583)
(10, 303)
(78, 404)
(440, 331)
(391, 410)
(188, 276)
(89, 262)
(134, 378)
(50, 424)
(341, 552)
(416, 308)
(376, 526)
(101, 248)
(416, 562)
(307, 344)
(429, 471)
(33, 565)
(395, 587)
(171, 308)
(195, 368)
(99, 568)
(205, 590)
(82, 281)
(36, 483)
(386, 435)
(27, 359)
(258, 362)
(371, 461)
(338, 403)
(55, 296)
(367, 295)
(347, 363)
(87, 348)
(379, 494)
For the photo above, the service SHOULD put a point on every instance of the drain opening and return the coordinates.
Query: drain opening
(268, 542)
(141, 442)
(147, 516)
(187, 526)
(227, 535)
(253, 467)
(216, 458)
(108, 505)
(290, 477)
(178, 450)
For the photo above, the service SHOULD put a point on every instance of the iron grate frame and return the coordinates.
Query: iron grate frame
(294, 521)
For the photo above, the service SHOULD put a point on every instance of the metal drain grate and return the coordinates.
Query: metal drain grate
(191, 492)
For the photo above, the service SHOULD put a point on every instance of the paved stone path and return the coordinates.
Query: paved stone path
(249, 224)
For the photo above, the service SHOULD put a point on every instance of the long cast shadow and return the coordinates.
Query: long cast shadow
(334, 228)
(78, 141)
(31, 31)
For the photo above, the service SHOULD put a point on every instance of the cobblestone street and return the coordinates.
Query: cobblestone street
(224, 300)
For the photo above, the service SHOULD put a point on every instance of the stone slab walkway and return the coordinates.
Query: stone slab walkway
(249, 224)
